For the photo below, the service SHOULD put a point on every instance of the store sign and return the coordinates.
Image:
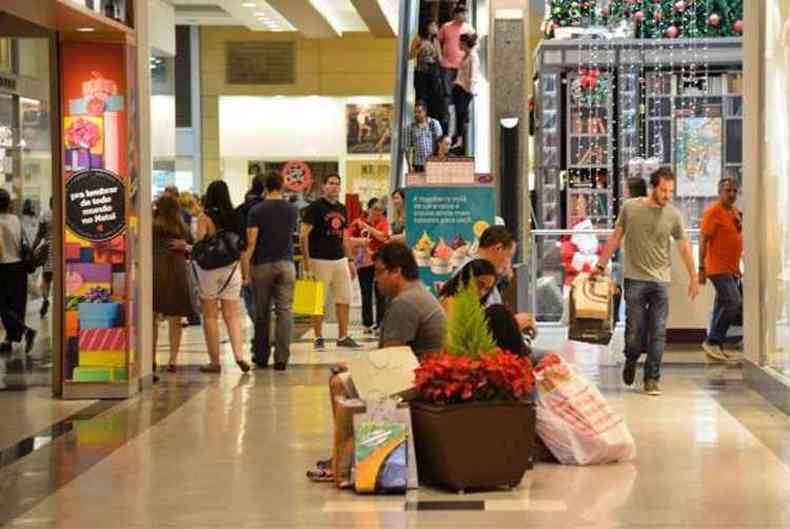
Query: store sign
(297, 176)
(95, 205)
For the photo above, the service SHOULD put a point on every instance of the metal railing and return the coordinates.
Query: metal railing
(552, 263)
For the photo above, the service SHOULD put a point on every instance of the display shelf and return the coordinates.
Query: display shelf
(70, 17)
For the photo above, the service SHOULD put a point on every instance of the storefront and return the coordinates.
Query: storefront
(74, 92)
(767, 194)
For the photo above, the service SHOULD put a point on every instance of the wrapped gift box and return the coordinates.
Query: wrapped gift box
(112, 141)
(100, 374)
(99, 87)
(78, 159)
(113, 252)
(87, 255)
(103, 340)
(79, 241)
(102, 358)
(84, 106)
(72, 323)
(118, 285)
(81, 278)
(100, 315)
(72, 251)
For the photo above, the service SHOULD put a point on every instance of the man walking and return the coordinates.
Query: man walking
(646, 226)
(326, 257)
(720, 252)
(253, 197)
(450, 39)
(270, 230)
(421, 138)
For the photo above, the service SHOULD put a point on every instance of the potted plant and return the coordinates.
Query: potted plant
(473, 422)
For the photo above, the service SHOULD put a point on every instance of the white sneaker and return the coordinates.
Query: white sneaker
(714, 352)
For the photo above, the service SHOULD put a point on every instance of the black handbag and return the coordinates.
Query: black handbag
(221, 249)
(27, 255)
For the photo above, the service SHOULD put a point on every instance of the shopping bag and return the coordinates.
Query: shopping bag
(309, 297)
(591, 310)
(380, 450)
(383, 371)
(574, 420)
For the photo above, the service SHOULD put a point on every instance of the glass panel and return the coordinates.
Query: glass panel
(775, 198)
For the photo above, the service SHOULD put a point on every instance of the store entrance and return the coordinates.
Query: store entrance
(26, 174)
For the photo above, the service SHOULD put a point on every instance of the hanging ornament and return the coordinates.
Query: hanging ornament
(738, 26)
(672, 32)
(639, 17)
(714, 20)
(680, 6)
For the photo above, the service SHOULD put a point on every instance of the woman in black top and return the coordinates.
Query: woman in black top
(222, 284)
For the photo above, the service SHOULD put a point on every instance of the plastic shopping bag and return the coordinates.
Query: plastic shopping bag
(309, 297)
(574, 420)
(381, 462)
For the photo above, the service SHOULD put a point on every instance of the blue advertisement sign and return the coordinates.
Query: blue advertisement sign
(443, 227)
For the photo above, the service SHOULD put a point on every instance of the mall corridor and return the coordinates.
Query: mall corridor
(231, 450)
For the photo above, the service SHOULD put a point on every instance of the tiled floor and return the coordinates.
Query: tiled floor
(202, 451)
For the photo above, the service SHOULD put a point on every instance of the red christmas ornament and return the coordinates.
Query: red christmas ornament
(639, 16)
(680, 6)
(738, 26)
(714, 20)
(672, 32)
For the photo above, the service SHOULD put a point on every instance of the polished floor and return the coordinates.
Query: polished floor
(230, 450)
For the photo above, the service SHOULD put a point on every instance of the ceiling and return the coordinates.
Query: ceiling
(311, 18)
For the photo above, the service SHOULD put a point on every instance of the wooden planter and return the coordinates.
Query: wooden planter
(477, 445)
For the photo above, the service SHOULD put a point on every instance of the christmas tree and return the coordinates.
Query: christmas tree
(656, 19)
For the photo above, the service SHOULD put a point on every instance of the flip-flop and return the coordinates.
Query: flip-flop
(323, 464)
(320, 475)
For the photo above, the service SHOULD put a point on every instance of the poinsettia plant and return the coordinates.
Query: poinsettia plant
(471, 367)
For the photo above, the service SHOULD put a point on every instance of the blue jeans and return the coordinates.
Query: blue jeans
(647, 306)
(727, 308)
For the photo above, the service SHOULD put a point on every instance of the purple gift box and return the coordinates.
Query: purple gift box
(92, 273)
(78, 159)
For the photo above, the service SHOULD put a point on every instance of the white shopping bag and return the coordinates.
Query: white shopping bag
(574, 420)
(383, 372)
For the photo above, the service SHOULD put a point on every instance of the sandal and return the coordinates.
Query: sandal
(323, 464)
(243, 365)
(320, 475)
(211, 368)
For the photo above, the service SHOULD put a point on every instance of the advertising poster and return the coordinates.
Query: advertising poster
(443, 227)
(98, 158)
(698, 154)
(368, 128)
(368, 178)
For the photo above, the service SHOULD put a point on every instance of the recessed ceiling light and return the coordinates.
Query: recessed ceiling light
(85, 30)
(248, 4)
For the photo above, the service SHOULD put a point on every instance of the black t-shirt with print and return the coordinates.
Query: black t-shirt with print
(328, 221)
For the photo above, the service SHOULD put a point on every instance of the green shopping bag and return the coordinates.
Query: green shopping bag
(309, 297)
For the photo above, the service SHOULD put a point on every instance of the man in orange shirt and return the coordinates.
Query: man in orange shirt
(721, 249)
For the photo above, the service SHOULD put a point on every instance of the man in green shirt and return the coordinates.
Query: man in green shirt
(646, 226)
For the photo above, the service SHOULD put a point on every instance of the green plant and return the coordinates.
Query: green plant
(467, 330)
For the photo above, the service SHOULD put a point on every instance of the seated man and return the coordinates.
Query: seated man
(414, 316)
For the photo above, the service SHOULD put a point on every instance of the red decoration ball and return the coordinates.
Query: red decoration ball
(673, 32)
(680, 6)
(639, 16)
(738, 26)
(714, 19)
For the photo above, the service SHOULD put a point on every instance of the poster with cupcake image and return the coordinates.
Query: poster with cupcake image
(444, 225)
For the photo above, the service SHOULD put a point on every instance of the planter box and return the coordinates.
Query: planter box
(477, 445)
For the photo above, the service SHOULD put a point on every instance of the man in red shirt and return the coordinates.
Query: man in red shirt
(450, 39)
(720, 254)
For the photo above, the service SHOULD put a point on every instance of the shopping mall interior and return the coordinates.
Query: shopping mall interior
(517, 140)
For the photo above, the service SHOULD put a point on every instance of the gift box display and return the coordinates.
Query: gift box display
(100, 315)
(95, 107)
(102, 347)
(113, 252)
(84, 132)
(78, 159)
(100, 374)
(72, 320)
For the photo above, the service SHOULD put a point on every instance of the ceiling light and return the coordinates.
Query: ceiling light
(248, 4)
(85, 30)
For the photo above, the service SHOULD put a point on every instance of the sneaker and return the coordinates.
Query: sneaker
(714, 352)
(629, 372)
(348, 342)
(44, 308)
(318, 344)
(280, 366)
(369, 330)
(30, 340)
(651, 388)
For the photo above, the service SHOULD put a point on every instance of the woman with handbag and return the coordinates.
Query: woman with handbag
(171, 284)
(13, 277)
(216, 261)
